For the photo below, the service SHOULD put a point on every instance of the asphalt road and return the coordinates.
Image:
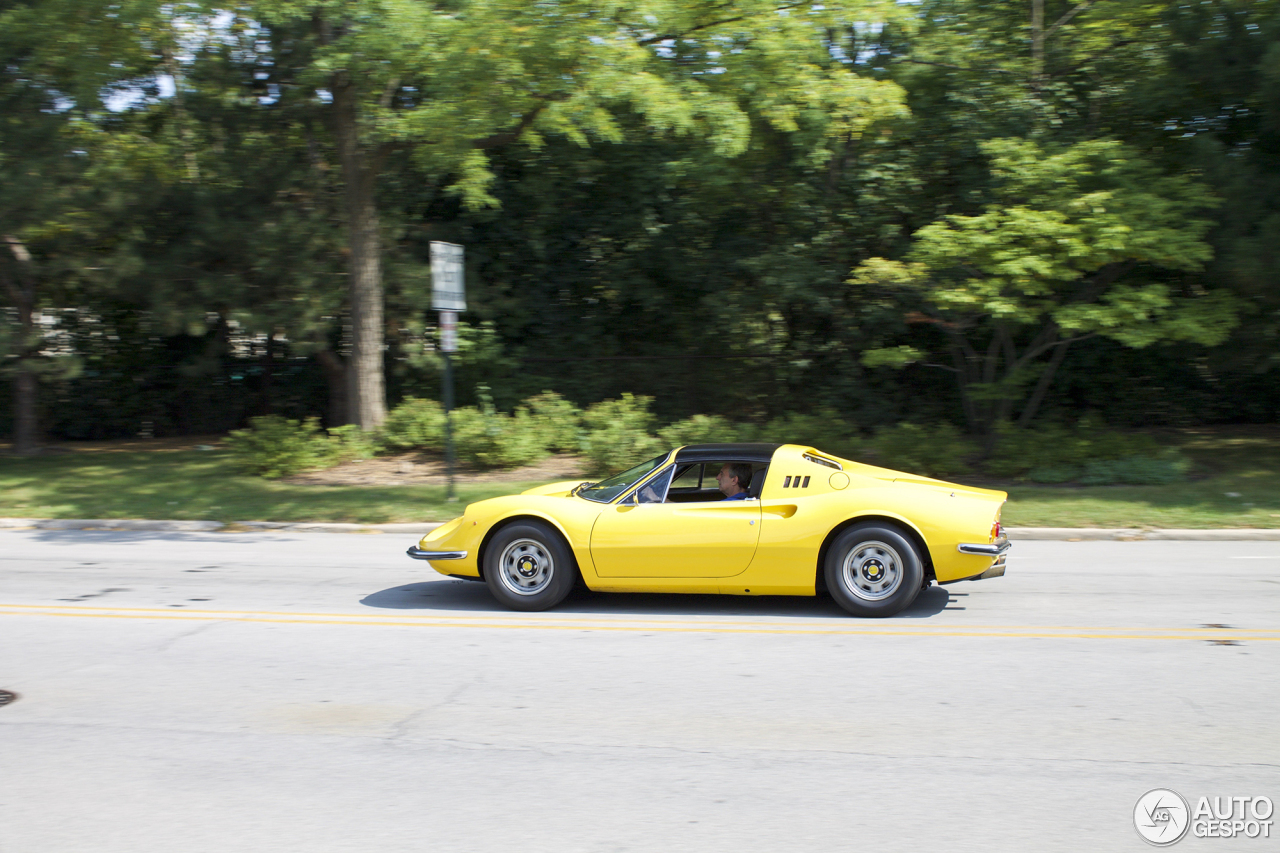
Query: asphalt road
(322, 692)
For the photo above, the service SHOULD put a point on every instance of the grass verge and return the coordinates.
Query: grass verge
(1236, 484)
(195, 485)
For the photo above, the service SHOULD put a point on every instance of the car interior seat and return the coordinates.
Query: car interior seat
(757, 483)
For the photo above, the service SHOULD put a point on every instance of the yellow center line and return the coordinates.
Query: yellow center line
(501, 620)
(669, 626)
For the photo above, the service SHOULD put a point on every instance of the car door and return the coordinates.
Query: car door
(712, 539)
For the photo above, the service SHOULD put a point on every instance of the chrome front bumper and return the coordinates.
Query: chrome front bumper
(998, 549)
(419, 554)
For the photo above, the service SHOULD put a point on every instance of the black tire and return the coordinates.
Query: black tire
(529, 566)
(873, 569)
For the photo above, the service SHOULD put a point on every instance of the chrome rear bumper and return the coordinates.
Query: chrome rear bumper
(419, 554)
(995, 549)
(998, 549)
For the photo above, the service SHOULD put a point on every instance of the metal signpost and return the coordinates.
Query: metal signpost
(448, 296)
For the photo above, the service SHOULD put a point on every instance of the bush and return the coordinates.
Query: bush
(484, 439)
(700, 429)
(1169, 467)
(619, 434)
(276, 447)
(936, 451)
(1089, 453)
(347, 443)
(415, 424)
(556, 422)
(826, 431)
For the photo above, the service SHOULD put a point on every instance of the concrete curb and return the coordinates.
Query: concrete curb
(108, 524)
(209, 526)
(1135, 534)
(1061, 534)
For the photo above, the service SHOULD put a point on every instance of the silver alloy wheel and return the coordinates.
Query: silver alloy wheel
(872, 571)
(526, 567)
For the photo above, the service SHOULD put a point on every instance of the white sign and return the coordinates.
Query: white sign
(448, 287)
(448, 331)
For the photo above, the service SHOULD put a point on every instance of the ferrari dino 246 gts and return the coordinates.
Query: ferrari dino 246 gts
(807, 521)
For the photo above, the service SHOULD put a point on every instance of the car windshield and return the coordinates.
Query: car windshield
(606, 490)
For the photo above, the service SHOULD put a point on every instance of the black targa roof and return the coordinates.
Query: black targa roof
(753, 452)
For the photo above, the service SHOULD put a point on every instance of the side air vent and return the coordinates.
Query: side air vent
(822, 460)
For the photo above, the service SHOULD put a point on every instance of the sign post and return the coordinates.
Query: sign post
(448, 296)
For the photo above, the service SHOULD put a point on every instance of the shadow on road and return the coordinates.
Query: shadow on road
(456, 595)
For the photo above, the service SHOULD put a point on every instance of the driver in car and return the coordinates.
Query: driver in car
(733, 480)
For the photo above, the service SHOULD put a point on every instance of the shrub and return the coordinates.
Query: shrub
(699, 429)
(1089, 453)
(1169, 467)
(619, 433)
(1055, 474)
(825, 430)
(347, 443)
(276, 447)
(555, 422)
(415, 424)
(934, 451)
(484, 438)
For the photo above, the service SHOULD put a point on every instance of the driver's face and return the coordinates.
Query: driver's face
(727, 482)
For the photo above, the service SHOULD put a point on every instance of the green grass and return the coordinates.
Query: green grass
(1236, 483)
(206, 486)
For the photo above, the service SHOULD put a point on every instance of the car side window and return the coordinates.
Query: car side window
(655, 491)
(689, 478)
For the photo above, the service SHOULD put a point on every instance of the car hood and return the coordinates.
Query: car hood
(561, 489)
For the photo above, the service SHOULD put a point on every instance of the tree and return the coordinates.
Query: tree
(58, 60)
(449, 82)
(1078, 242)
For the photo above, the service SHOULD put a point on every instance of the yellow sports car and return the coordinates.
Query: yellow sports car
(741, 519)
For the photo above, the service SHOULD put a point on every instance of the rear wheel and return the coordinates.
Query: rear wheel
(528, 566)
(873, 569)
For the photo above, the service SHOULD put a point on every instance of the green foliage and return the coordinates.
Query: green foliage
(484, 438)
(1169, 467)
(701, 429)
(554, 421)
(347, 444)
(415, 424)
(275, 447)
(1089, 453)
(619, 433)
(935, 451)
(825, 430)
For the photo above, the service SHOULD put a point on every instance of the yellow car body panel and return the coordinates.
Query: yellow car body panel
(769, 546)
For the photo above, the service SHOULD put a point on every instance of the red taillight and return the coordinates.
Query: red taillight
(997, 532)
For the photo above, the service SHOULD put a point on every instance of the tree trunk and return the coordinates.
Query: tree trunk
(335, 374)
(1042, 387)
(22, 292)
(366, 390)
(26, 433)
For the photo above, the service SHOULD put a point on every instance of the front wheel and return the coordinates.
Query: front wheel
(873, 570)
(528, 566)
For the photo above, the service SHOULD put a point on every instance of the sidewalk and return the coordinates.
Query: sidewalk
(1066, 534)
